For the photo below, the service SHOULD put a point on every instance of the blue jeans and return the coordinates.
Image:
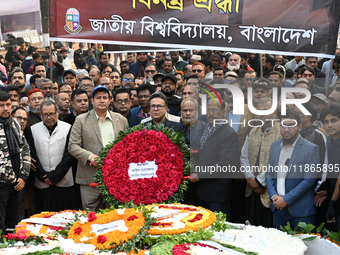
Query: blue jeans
(280, 218)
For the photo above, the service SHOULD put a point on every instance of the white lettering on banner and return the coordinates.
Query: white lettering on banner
(173, 26)
(147, 169)
(102, 229)
(47, 221)
(278, 33)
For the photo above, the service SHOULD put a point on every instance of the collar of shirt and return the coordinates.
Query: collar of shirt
(108, 115)
(292, 146)
(331, 140)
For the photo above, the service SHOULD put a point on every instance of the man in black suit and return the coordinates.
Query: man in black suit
(158, 109)
(193, 132)
(123, 105)
(216, 157)
(80, 104)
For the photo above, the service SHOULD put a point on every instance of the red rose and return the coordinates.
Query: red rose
(78, 230)
(91, 216)
(132, 217)
(164, 197)
(101, 239)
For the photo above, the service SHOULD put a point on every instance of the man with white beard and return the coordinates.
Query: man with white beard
(234, 64)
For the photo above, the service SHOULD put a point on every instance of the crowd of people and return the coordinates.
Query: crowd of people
(55, 118)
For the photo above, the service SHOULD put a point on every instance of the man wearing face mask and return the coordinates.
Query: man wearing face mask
(169, 88)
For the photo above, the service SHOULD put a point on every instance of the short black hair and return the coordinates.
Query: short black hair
(105, 66)
(86, 78)
(102, 53)
(292, 115)
(19, 70)
(308, 57)
(13, 88)
(270, 59)
(244, 55)
(192, 77)
(38, 64)
(33, 77)
(128, 71)
(36, 55)
(31, 50)
(333, 109)
(275, 73)
(4, 96)
(62, 85)
(219, 68)
(123, 62)
(122, 90)
(82, 63)
(309, 68)
(146, 86)
(159, 95)
(77, 92)
(206, 62)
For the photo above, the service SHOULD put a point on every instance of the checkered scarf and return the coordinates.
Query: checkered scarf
(209, 132)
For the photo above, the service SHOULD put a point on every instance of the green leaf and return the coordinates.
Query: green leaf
(309, 238)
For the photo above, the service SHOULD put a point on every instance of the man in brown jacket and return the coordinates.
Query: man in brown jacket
(90, 133)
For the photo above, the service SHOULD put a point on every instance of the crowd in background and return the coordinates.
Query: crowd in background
(62, 113)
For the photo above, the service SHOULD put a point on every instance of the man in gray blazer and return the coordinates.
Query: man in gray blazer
(90, 133)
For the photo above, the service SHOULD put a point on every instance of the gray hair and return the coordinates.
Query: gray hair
(43, 80)
(49, 102)
(159, 95)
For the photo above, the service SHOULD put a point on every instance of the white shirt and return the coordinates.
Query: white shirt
(285, 156)
(67, 60)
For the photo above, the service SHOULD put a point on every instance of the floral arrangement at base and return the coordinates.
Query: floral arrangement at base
(179, 218)
(264, 241)
(28, 229)
(197, 249)
(114, 230)
(145, 165)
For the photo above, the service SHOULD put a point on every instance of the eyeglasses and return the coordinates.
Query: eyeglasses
(130, 80)
(86, 86)
(197, 71)
(150, 71)
(51, 115)
(20, 118)
(33, 99)
(290, 127)
(123, 101)
(15, 106)
(154, 107)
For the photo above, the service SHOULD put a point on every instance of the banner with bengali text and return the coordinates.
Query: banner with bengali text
(289, 27)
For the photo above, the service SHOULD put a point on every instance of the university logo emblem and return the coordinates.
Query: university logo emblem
(72, 21)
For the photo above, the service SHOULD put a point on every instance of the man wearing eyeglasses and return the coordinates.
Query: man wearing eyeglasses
(290, 177)
(90, 133)
(123, 105)
(20, 115)
(128, 79)
(54, 185)
(107, 82)
(198, 69)
(149, 72)
(158, 110)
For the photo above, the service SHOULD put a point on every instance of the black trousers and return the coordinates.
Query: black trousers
(11, 204)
